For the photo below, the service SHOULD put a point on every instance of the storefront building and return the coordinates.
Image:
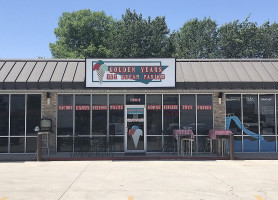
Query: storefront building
(133, 105)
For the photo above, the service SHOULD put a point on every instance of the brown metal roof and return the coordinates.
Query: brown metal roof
(190, 74)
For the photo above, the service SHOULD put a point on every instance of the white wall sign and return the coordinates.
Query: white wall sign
(149, 72)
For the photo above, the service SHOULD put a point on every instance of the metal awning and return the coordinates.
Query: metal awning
(190, 74)
(227, 74)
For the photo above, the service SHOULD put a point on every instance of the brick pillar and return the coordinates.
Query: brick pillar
(49, 112)
(219, 111)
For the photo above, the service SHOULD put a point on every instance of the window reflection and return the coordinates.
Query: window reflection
(267, 115)
(154, 115)
(204, 114)
(188, 112)
(99, 114)
(170, 113)
(82, 114)
(65, 115)
(18, 115)
(33, 113)
(4, 115)
(116, 115)
(233, 108)
(250, 113)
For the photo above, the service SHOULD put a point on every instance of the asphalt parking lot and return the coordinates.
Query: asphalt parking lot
(136, 180)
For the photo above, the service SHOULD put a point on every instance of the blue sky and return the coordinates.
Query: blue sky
(26, 26)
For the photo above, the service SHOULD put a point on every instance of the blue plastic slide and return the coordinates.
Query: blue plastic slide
(241, 126)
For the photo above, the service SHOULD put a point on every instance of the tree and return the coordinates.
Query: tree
(197, 39)
(269, 40)
(239, 40)
(134, 37)
(82, 34)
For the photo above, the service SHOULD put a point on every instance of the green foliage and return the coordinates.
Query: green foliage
(239, 40)
(82, 34)
(136, 37)
(269, 40)
(85, 33)
(197, 39)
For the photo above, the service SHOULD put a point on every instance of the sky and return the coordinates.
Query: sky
(27, 26)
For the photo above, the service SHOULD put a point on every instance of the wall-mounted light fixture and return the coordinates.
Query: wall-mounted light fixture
(48, 98)
(220, 94)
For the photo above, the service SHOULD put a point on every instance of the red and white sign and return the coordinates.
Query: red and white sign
(187, 107)
(134, 73)
(116, 107)
(204, 107)
(82, 107)
(65, 107)
(171, 107)
(100, 107)
(154, 107)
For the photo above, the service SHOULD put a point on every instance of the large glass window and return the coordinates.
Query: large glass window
(154, 114)
(65, 115)
(4, 115)
(33, 113)
(17, 115)
(116, 115)
(99, 114)
(170, 113)
(233, 110)
(254, 111)
(188, 112)
(82, 114)
(24, 109)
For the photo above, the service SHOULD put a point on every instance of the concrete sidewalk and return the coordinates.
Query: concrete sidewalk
(136, 180)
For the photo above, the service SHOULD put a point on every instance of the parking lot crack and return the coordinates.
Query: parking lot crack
(86, 167)
(230, 188)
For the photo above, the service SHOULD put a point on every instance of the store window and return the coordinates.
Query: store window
(33, 113)
(170, 113)
(17, 115)
(154, 123)
(82, 114)
(250, 123)
(154, 114)
(267, 114)
(25, 109)
(65, 115)
(188, 112)
(233, 112)
(99, 114)
(204, 113)
(116, 115)
(4, 115)
(204, 121)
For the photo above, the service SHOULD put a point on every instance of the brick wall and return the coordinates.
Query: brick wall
(219, 111)
(49, 112)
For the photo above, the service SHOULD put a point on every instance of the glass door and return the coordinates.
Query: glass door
(135, 137)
